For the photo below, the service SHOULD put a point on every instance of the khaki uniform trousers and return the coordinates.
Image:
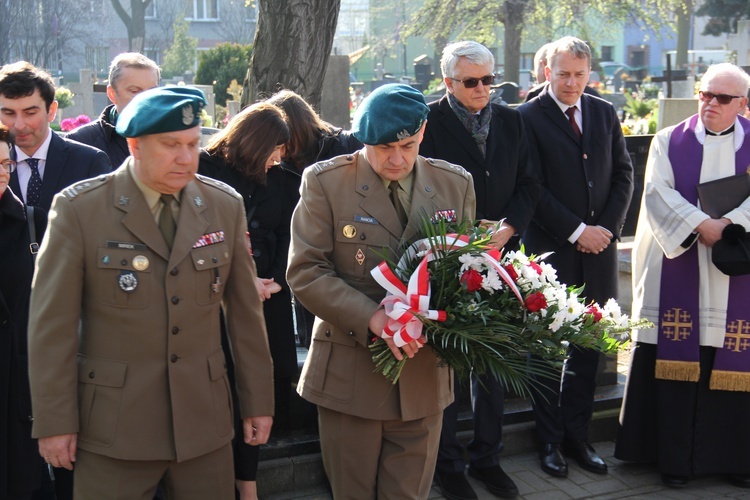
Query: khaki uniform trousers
(385, 459)
(210, 476)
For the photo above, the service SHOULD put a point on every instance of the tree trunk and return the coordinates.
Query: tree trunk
(291, 48)
(684, 12)
(135, 23)
(513, 24)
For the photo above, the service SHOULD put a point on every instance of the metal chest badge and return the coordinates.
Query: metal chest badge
(349, 231)
(140, 262)
(360, 256)
(128, 281)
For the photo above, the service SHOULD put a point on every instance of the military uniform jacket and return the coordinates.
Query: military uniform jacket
(145, 376)
(329, 272)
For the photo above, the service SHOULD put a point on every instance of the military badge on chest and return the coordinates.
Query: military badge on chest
(128, 281)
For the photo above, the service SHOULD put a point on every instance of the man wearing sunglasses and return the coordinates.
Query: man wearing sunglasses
(488, 140)
(687, 401)
(587, 181)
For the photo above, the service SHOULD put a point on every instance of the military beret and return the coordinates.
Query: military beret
(162, 109)
(390, 113)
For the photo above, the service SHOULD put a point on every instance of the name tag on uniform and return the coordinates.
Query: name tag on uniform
(366, 220)
(126, 245)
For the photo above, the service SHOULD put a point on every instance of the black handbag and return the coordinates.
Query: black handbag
(731, 254)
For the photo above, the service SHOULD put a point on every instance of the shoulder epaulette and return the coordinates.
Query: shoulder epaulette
(338, 161)
(218, 184)
(451, 167)
(85, 186)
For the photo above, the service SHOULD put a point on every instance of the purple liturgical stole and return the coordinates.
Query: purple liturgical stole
(678, 345)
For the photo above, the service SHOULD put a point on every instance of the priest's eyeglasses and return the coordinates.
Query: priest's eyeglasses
(8, 165)
(721, 98)
(470, 83)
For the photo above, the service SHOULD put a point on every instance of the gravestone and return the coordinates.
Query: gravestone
(673, 111)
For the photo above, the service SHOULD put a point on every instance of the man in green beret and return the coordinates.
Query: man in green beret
(128, 376)
(378, 440)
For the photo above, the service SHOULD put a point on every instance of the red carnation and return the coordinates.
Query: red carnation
(594, 312)
(536, 302)
(511, 271)
(471, 280)
(536, 267)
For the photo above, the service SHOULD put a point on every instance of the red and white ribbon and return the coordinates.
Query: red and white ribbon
(492, 257)
(404, 303)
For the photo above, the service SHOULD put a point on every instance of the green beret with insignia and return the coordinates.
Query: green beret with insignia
(162, 109)
(390, 113)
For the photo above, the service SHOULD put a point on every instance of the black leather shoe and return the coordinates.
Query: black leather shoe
(553, 461)
(455, 486)
(674, 481)
(739, 480)
(583, 453)
(496, 480)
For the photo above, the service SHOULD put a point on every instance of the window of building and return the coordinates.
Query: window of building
(202, 10)
(607, 53)
(97, 59)
(151, 10)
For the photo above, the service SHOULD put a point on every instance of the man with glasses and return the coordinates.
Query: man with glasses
(488, 140)
(687, 402)
(587, 181)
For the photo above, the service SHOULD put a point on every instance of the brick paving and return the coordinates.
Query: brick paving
(624, 481)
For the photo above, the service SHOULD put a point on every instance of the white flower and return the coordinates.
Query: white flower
(492, 281)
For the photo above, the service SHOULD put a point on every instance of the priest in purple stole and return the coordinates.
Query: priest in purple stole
(687, 399)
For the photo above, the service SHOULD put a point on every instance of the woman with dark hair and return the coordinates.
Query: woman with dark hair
(246, 155)
(20, 462)
(312, 140)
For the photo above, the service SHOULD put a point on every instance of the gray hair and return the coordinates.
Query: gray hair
(570, 44)
(474, 52)
(541, 55)
(730, 70)
(130, 60)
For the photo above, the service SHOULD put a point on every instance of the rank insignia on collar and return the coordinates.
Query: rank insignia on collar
(124, 201)
(128, 281)
(360, 256)
(198, 201)
(209, 239)
(448, 215)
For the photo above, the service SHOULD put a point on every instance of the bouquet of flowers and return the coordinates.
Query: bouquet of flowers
(485, 312)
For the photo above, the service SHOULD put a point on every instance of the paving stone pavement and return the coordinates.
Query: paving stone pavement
(624, 481)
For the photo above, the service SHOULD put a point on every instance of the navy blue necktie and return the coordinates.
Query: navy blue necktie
(34, 188)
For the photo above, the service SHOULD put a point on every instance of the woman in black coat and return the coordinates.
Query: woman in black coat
(246, 155)
(311, 140)
(20, 463)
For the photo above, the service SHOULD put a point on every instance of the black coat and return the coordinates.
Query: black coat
(587, 180)
(20, 463)
(101, 134)
(269, 209)
(504, 179)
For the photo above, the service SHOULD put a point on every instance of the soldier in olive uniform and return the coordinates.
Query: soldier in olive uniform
(377, 439)
(128, 377)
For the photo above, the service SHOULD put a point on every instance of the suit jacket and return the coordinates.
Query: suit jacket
(330, 274)
(145, 376)
(587, 180)
(504, 179)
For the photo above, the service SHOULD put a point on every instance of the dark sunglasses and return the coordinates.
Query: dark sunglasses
(722, 98)
(470, 83)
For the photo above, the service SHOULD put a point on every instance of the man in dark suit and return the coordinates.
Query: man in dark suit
(129, 74)
(47, 163)
(488, 140)
(128, 376)
(540, 62)
(587, 181)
